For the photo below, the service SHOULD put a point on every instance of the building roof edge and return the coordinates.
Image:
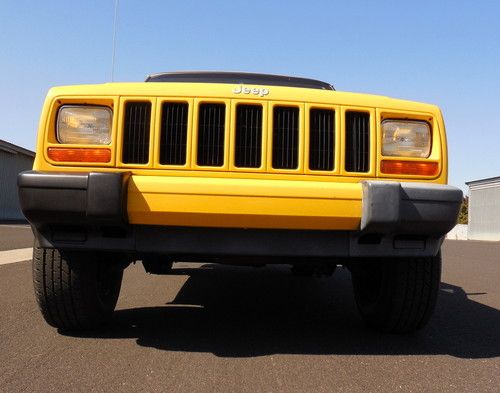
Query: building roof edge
(488, 180)
(14, 149)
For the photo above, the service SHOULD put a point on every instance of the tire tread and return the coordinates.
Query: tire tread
(66, 290)
(409, 288)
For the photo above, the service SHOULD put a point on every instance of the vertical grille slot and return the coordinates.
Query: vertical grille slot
(136, 133)
(211, 121)
(321, 139)
(357, 147)
(285, 137)
(248, 149)
(173, 138)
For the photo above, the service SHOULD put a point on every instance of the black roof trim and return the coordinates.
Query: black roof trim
(487, 180)
(238, 77)
(14, 149)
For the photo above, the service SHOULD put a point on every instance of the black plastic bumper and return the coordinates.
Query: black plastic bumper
(411, 208)
(87, 211)
(69, 198)
(405, 218)
(75, 210)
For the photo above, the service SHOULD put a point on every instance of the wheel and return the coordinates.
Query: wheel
(75, 291)
(397, 295)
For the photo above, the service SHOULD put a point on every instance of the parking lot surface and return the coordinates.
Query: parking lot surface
(15, 236)
(212, 328)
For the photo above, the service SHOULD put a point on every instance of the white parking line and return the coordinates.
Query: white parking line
(12, 256)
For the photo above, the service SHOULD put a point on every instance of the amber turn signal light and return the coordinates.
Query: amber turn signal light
(69, 154)
(420, 168)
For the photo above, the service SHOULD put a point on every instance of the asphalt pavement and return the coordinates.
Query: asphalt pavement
(15, 236)
(212, 328)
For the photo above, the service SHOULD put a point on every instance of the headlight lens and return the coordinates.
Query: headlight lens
(90, 125)
(406, 138)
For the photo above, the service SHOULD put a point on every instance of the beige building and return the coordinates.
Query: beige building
(484, 209)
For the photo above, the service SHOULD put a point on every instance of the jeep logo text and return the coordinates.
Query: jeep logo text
(247, 90)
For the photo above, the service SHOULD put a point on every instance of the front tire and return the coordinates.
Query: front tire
(75, 291)
(397, 295)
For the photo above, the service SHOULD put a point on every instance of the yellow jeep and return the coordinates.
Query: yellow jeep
(237, 168)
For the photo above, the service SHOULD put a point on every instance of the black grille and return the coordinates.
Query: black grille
(248, 149)
(357, 148)
(211, 118)
(285, 137)
(136, 133)
(321, 139)
(173, 137)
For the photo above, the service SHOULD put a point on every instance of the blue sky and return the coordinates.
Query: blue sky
(442, 52)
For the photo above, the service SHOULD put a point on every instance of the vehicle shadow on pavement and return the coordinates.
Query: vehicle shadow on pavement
(245, 312)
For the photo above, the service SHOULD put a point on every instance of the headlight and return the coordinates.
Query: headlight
(90, 125)
(406, 138)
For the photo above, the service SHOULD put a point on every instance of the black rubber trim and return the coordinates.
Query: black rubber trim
(239, 78)
(191, 243)
(106, 196)
(88, 212)
(49, 199)
(241, 242)
(59, 180)
(409, 208)
(431, 192)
